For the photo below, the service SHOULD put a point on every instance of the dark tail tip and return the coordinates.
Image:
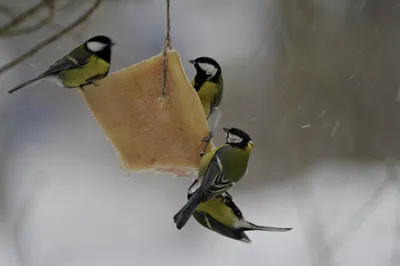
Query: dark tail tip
(283, 229)
(16, 88)
(180, 221)
(243, 237)
(179, 226)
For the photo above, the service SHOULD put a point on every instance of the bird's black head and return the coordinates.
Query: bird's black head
(237, 137)
(100, 45)
(207, 69)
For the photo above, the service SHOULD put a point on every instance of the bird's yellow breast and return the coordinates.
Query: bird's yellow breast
(218, 210)
(73, 78)
(206, 93)
(234, 161)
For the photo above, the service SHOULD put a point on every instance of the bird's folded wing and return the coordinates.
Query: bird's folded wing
(221, 228)
(214, 182)
(228, 200)
(67, 62)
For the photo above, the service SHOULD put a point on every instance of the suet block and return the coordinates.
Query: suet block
(146, 134)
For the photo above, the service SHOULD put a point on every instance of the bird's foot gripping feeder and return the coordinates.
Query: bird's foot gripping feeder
(147, 134)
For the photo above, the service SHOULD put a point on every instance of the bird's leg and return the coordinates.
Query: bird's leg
(207, 140)
(208, 137)
(228, 195)
(92, 80)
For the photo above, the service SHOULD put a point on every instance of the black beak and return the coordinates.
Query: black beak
(226, 129)
(113, 43)
(192, 62)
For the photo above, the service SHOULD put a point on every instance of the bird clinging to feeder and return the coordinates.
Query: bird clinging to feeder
(208, 83)
(219, 170)
(151, 114)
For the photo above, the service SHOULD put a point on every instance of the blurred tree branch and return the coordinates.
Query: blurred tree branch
(16, 21)
(7, 30)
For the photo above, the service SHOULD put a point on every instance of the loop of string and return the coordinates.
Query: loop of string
(167, 45)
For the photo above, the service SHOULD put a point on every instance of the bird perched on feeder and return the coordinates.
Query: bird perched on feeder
(219, 170)
(84, 65)
(222, 216)
(208, 83)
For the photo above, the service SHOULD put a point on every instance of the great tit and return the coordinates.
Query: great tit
(222, 216)
(219, 170)
(82, 66)
(208, 83)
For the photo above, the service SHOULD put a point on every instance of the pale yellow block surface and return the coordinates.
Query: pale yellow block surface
(149, 136)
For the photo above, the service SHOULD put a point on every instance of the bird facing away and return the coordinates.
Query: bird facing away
(224, 217)
(219, 170)
(82, 66)
(208, 83)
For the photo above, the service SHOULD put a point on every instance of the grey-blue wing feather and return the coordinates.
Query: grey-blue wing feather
(222, 229)
(214, 183)
(228, 200)
(65, 63)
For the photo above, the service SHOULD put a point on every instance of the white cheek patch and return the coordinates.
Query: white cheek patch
(209, 69)
(234, 139)
(96, 46)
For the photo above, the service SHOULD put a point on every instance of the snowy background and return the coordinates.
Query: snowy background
(315, 83)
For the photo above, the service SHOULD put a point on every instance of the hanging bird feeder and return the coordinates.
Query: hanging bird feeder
(151, 113)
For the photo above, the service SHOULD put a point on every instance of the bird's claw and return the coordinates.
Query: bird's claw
(208, 138)
(228, 194)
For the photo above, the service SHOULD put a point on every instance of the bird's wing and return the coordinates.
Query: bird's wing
(218, 97)
(214, 182)
(228, 200)
(213, 224)
(77, 58)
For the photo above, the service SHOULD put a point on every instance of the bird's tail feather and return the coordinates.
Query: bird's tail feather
(183, 216)
(253, 227)
(27, 83)
(244, 238)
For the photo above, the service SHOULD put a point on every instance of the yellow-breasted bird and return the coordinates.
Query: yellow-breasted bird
(208, 83)
(223, 216)
(82, 66)
(219, 170)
